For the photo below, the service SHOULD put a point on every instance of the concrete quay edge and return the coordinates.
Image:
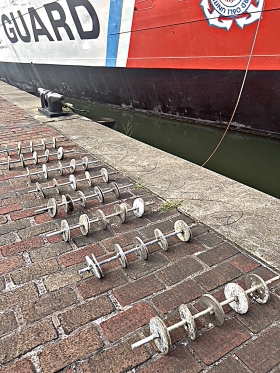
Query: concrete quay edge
(244, 216)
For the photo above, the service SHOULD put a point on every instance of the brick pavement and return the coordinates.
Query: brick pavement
(54, 320)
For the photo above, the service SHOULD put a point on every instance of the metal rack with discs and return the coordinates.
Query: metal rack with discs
(236, 297)
(181, 230)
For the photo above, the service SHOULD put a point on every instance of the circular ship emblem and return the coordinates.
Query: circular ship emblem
(222, 13)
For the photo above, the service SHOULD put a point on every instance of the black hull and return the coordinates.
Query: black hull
(197, 94)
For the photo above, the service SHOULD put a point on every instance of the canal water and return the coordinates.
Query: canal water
(250, 159)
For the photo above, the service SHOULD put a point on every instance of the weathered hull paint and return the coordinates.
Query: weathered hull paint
(169, 57)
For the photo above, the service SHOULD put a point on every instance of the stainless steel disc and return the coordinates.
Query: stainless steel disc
(216, 316)
(162, 241)
(60, 168)
(56, 186)
(241, 302)
(64, 226)
(60, 153)
(84, 224)
(43, 144)
(47, 155)
(104, 175)
(52, 207)
(122, 256)
(99, 194)
(31, 148)
(88, 178)
(35, 157)
(102, 221)
(8, 162)
(121, 211)
(28, 173)
(162, 340)
(72, 166)
(141, 249)
(138, 207)
(92, 266)
(39, 190)
(190, 325)
(21, 159)
(84, 163)
(45, 171)
(73, 182)
(185, 231)
(82, 198)
(261, 294)
(97, 266)
(67, 202)
(115, 189)
(54, 142)
(19, 148)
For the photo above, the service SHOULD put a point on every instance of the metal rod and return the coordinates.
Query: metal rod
(148, 339)
(109, 260)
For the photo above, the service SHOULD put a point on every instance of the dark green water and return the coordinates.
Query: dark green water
(249, 159)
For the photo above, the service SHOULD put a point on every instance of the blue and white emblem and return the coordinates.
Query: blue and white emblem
(222, 13)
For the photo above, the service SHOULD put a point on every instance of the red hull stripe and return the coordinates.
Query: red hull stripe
(176, 34)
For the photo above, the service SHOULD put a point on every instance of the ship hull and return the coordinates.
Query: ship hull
(186, 59)
(190, 94)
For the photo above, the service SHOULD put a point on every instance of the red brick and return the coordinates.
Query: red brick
(208, 239)
(68, 350)
(230, 365)
(10, 208)
(49, 251)
(17, 296)
(140, 268)
(2, 283)
(131, 224)
(21, 246)
(218, 276)
(19, 343)
(35, 271)
(8, 265)
(16, 200)
(47, 304)
(85, 313)
(181, 250)
(93, 286)
(244, 263)
(63, 278)
(21, 366)
(8, 322)
(123, 240)
(173, 298)
(261, 316)
(119, 358)
(179, 271)
(218, 254)
(78, 256)
(179, 360)
(8, 176)
(42, 218)
(137, 290)
(127, 321)
(218, 341)
(262, 354)
(21, 214)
